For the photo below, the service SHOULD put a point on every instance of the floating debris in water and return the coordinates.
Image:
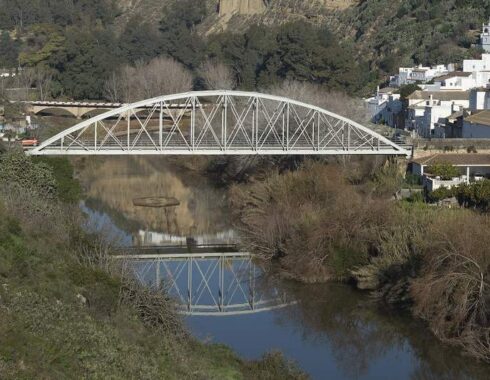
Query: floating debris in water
(156, 202)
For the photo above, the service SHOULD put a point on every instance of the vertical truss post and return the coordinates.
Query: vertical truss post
(256, 124)
(348, 136)
(283, 128)
(224, 121)
(318, 137)
(288, 111)
(221, 290)
(128, 116)
(189, 284)
(193, 123)
(160, 126)
(157, 274)
(95, 138)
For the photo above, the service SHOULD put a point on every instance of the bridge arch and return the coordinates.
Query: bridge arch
(219, 123)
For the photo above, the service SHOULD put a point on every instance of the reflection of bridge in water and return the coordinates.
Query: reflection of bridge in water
(206, 280)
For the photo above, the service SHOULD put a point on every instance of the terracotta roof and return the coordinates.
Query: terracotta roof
(452, 75)
(481, 118)
(471, 159)
(440, 95)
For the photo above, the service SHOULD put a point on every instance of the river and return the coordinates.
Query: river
(331, 331)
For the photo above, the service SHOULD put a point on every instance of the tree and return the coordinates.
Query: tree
(9, 51)
(160, 76)
(408, 89)
(444, 170)
(334, 101)
(43, 79)
(86, 62)
(26, 80)
(177, 28)
(139, 41)
(217, 76)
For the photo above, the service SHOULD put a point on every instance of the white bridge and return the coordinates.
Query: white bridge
(219, 123)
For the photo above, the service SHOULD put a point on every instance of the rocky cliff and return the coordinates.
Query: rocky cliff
(251, 7)
(242, 7)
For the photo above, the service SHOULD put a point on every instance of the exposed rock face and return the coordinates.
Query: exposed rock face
(242, 7)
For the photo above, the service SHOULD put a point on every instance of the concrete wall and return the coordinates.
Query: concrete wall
(475, 131)
(426, 147)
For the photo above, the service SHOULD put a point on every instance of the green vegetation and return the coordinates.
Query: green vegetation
(443, 170)
(475, 195)
(67, 311)
(80, 44)
(67, 186)
(408, 89)
(396, 33)
(316, 226)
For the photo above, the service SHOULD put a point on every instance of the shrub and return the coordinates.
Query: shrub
(311, 221)
(444, 170)
(475, 195)
(453, 293)
(441, 194)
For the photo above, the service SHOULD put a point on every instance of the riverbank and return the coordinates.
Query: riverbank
(66, 312)
(316, 224)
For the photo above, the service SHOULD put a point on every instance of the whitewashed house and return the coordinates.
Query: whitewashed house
(472, 65)
(418, 74)
(428, 111)
(385, 107)
(472, 167)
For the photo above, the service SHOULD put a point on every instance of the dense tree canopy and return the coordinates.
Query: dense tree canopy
(81, 44)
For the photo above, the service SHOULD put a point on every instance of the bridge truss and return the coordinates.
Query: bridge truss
(219, 123)
(208, 284)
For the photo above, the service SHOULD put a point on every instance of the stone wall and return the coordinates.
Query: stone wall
(425, 147)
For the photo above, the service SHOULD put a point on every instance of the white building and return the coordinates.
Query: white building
(477, 126)
(418, 74)
(472, 65)
(479, 99)
(428, 110)
(472, 167)
(455, 81)
(385, 107)
(485, 37)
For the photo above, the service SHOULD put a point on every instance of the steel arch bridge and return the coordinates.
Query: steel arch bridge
(219, 123)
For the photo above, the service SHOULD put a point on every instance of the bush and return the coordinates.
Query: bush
(68, 188)
(311, 221)
(452, 293)
(444, 170)
(475, 195)
(441, 194)
(18, 170)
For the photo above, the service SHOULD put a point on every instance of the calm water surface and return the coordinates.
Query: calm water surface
(331, 331)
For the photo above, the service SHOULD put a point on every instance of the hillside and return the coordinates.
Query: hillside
(387, 33)
(344, 45)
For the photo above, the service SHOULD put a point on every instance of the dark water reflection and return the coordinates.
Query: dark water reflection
(332, 332)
